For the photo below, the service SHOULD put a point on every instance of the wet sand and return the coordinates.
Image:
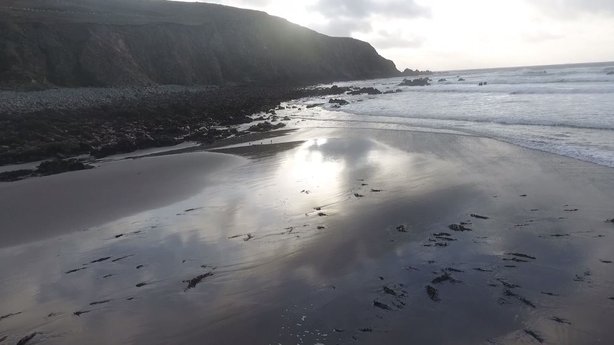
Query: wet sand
(331, 237)
(39, 208)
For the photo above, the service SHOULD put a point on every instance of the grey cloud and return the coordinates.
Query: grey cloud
(385, 39)
(347, 16)
(366, 8)
(344, 27)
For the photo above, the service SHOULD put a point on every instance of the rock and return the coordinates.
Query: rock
(265, 127)
(58, 166)
(432, 293)
(365, 90)
(81, 43)
(478, 216)
(15, 175)
(26, 339)
(338, 101)
(401, 228)
(534, 335)
(412, 73)
(381, 305)
(81, 312)
(196, 280)
(461, 79)
(100, 260)
(610, 73)
(458, 227)
(442, 80)
(416, 82)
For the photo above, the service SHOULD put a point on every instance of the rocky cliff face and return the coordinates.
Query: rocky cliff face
(75, 43)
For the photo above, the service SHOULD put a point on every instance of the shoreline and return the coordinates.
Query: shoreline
(142, 119)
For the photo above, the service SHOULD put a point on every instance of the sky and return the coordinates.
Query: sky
(460, 34)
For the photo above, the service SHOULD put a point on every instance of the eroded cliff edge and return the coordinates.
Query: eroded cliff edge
(82, 43)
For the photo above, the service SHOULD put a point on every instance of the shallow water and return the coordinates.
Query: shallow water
(567, 109)
(275, 269)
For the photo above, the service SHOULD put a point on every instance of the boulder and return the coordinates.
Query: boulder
(416, 82)
(365, 90)
(338, 101)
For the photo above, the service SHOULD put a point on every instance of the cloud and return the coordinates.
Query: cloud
(347, 16)
(388, 40)
(573, 8)
(366, 8)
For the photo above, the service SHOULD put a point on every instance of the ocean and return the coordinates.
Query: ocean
(563, 109)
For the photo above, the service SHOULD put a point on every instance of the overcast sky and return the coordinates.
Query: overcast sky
(457, 34)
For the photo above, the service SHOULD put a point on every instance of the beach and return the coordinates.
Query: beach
(320, 236)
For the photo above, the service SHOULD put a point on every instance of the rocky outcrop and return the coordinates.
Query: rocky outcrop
(76, 43)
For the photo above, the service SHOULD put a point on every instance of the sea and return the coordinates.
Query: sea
(564, 109)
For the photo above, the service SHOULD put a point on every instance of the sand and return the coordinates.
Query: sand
(39, 208)
(324, 237)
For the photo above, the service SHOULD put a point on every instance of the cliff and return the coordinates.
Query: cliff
(77, 43)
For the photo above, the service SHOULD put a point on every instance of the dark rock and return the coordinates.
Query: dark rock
(412, 73)
(122, 258)
(509, 293)
(358, 195)
(458, 227)
(432, 293)
(58, 166)
(444, 277)
(9, 315)
(265, 127)
(141, 284)
(520, 255)
(15, 175)
(478, 216)
(365, 90)
(196, 280)
(534, 335)
(338, 101)
(549, 294)
(26, 339)
(442, 80)
(461, 79)
(389, 291)
(381, 305)
(416, 82)
(100, 260)
(101, 302)
(81, 312)
(560, 320)
(402, 228)
(610, 73)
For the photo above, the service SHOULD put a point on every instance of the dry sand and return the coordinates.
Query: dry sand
(331, 237)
